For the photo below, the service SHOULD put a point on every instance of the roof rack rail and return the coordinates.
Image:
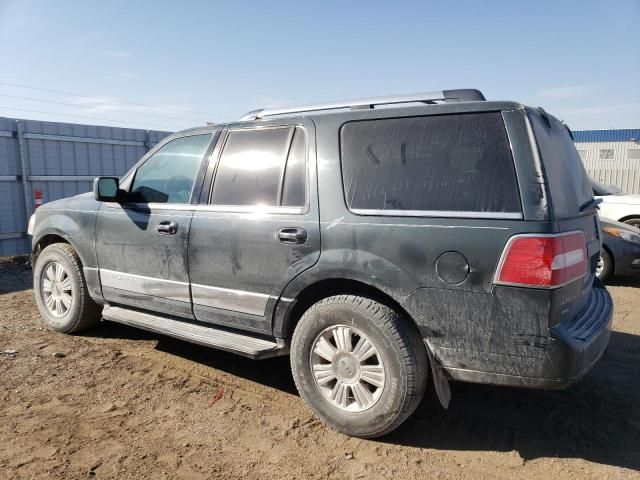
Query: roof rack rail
(446, 96)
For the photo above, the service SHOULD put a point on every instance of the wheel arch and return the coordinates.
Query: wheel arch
(630, 217)
(49, 238)
(289, 313)
(45, 240)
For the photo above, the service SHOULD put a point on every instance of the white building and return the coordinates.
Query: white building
(611, 157)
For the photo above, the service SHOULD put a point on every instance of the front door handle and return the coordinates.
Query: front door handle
(167, 228)
(292, 236)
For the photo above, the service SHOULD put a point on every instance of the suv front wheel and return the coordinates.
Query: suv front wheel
(61, 291)
(360, 365)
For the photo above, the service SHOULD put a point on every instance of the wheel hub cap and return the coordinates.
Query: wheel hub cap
(56, 289)
(347, 368)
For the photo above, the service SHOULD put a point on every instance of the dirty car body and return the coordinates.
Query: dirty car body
(445, 212)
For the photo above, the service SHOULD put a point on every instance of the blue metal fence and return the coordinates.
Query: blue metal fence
(57, 160)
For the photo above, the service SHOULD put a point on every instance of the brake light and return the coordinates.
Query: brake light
(545, 261)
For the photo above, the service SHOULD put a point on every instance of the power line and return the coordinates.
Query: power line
(105, 99)
(100, 107)
(84, 116)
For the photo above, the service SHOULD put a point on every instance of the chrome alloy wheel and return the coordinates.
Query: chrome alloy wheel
(347, 368)
(56, 289)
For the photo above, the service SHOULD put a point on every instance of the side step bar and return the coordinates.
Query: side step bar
(214, 337)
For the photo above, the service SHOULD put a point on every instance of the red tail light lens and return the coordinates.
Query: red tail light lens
(545, 261)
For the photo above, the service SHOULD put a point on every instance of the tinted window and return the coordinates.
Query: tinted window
(293, 187)
(169, 174)
(569, 185)
(252, 168)
(440, 163)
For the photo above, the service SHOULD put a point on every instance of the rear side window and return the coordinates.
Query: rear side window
(567, 180)
(448, 163)
(264, 167)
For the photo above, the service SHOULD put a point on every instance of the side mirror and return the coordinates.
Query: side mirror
(106, 189)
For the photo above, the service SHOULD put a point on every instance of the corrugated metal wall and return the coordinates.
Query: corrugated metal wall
(622, 170)
(60, 160)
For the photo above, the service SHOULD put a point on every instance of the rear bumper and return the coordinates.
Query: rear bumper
(570, 351)
(582, 341)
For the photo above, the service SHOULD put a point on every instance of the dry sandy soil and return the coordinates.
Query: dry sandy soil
(117, 402)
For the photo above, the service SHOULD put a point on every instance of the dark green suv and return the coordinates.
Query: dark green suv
(378, 242)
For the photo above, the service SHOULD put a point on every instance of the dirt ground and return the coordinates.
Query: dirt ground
(118, 402)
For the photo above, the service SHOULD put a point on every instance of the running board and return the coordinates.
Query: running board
(214, 337)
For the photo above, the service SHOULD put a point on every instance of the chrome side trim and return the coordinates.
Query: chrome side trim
(229, 299)
(169, 289)
(438, 213)
(257, 209)
(251, 209)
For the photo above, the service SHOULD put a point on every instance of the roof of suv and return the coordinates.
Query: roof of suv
(446, 101)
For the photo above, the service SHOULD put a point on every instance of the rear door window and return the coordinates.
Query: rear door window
(265, 167)
(569, 185)
(448, 164)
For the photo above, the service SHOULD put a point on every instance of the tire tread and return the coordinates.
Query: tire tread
(89, 312)
(412, 352)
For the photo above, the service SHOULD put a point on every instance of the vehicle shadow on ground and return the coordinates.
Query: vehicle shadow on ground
(597, 419)
(270, 372)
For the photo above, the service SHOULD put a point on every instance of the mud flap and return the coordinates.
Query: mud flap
(440, 381)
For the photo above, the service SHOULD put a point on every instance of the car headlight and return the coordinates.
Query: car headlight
(32, 224)
(623, 234)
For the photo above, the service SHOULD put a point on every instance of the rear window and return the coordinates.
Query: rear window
(567, 180)
(449, 163)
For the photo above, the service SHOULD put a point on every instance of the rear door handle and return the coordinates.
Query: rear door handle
(167, 228)
(292, 236)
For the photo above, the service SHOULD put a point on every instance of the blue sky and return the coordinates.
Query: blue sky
(188, 62)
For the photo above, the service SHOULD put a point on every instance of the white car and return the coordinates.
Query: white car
(618, 205)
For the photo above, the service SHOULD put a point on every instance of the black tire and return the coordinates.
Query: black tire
(635, 222)
(399, 346)
(83, 312)
(607, 265)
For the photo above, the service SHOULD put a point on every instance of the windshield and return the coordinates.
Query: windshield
(601, 191)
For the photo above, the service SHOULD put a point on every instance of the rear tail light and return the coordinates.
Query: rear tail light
(544, 261)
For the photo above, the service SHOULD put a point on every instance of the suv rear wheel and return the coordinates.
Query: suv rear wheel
(360, 365)
(61, 291)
